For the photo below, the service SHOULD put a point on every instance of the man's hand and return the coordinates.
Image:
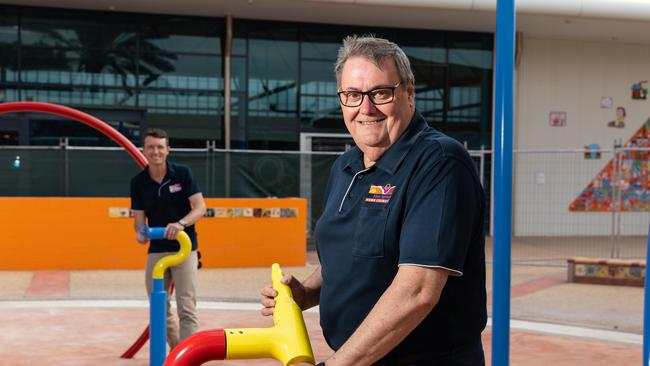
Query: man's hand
(172, 230)
(268, 294)
(141, 239)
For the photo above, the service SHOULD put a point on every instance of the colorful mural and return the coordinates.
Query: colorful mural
(633, 180)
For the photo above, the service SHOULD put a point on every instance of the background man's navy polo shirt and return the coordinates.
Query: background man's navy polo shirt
(166, 202)
(421, 203)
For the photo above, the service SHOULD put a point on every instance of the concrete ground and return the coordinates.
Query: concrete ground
(90, 317)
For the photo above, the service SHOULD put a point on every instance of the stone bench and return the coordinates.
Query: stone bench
(606, 271)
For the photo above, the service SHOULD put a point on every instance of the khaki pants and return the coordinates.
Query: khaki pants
(184, 278)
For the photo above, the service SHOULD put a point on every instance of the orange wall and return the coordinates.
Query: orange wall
(77, 233)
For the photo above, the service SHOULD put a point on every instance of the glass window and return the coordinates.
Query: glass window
(180, 71)
(8, 94)
(319, 105)
(177, 102)
(183, 35)
(320, 50)
(470, 97)
(80, 96)
(317, 77)
(466, 94)
(272, 94)
(436, 55)
(77, 67)
(8, 64)
(50, 129)
(473, 58)
(92, 32)
(238, 74)
(238, 121)
(238, 46)
(8, 30)
(430, 89)
(198, 129)
(470, 49)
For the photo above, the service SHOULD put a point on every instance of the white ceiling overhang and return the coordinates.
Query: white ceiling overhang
(595, 20)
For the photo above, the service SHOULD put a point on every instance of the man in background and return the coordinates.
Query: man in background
(166, 194)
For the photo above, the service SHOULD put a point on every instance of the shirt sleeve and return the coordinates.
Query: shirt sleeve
(441, 216)
(136, 200)
(191, 185)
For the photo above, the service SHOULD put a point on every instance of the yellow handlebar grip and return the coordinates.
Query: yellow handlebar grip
(174, 259)
(287, 341)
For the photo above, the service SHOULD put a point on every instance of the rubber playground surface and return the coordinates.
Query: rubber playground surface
(91, 317)
(97, 336)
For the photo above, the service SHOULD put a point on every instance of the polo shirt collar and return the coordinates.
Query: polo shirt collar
(392, 158)
(171, 170)
(354, 160)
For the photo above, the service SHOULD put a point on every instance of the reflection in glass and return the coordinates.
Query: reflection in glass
(319, 50)
(56, 66)
(238, 74)
(272, 83)
(97, 97)
(184, 35)
(320, 112)
(238, 46)
(464, 105)
(77, 33)
(8, 30)
(481, 59)
(437, 55)
(181, 102)
(8, 64)
(187, 72)
(319, 106)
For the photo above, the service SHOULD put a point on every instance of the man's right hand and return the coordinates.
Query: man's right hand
(269, 294)
(141, 239)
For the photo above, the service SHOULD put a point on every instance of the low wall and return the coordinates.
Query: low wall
(97, 233)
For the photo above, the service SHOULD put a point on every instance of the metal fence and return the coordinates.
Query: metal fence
(591, 203)
(548, 225)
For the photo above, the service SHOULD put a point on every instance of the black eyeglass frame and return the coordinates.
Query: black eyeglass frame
(369, 94)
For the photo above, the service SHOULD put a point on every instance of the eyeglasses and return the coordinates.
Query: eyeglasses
(379, 96)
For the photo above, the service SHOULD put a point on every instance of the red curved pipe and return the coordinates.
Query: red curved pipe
(198, 349)
(107, 130)
(79, 116)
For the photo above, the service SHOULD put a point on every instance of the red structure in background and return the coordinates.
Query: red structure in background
(78, 116)
(107, 130)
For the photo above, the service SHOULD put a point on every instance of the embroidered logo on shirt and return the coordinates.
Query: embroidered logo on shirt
(380, 194)
(175, 188)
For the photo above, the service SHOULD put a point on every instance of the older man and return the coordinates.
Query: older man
(400, 240)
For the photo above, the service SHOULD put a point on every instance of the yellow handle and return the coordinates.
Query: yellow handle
(174, 259)
(287, 341)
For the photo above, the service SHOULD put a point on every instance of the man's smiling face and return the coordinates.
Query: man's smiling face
(376, 126)
(156, 150)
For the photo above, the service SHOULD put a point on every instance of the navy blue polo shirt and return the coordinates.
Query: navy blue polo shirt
(165, 202)
(422, 204)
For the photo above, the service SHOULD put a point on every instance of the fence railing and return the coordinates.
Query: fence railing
(566, 202)
(583, 202)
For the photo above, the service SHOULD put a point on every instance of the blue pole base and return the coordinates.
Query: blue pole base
(158, 324)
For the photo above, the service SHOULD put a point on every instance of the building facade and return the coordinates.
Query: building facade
(144, 70)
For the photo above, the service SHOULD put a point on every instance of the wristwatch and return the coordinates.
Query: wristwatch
(182, 222)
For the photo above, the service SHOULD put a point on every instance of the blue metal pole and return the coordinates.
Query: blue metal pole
(157, 310)
(503, 120)
(158, 324)
(646, 311)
